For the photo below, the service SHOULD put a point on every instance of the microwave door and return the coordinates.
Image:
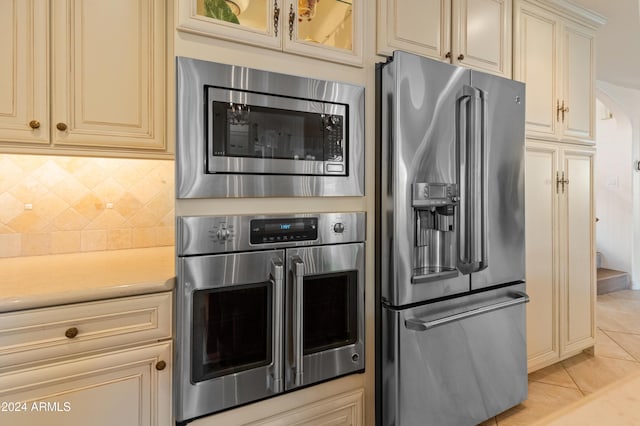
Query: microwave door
(325, 313)
(252, 133)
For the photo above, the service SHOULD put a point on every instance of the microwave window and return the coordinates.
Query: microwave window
(330, 315)
(231, 330)
(272, 133)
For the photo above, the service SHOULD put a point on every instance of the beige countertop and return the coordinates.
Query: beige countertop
(616, 404)
(39, 281)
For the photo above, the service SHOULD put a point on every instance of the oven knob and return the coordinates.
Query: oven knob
(338, 228)
(223, 234)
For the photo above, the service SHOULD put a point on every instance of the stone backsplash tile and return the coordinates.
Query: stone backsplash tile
(52, 205)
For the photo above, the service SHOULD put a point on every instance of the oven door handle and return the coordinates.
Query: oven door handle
(417, 324)
(298, 326)
(277, 280)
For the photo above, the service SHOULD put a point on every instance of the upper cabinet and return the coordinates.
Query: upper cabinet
(554, 44)
(24, 72)
(330, 30)
(472, 33)
(83, 77)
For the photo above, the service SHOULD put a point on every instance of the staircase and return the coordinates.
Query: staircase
(610, 280)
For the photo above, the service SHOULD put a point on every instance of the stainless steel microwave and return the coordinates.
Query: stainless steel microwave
(243, 132)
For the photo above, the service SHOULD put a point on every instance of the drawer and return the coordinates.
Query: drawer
(345, 409)
(42, 334)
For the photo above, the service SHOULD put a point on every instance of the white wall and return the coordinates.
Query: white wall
(626, 102)
(614, 204)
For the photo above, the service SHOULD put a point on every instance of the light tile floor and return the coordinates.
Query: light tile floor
(617, 356)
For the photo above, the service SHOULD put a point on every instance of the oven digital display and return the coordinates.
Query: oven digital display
(269, 231)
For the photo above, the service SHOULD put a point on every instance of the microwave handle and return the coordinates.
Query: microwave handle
(277, 279)
(298, 300)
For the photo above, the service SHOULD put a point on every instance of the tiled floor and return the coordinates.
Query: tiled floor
(617, 356)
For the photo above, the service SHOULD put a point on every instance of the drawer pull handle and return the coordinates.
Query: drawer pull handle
(61, 126)
(160, 365)
(417, 324)
(34, 124)
(71, 332)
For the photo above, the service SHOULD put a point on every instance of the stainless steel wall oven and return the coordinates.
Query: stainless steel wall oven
(266, 305)
(248, 133)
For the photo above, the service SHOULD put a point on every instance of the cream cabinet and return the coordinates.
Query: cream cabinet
(554, 45)
(472, 33)
(330, 30)
(99, 363)
(560, 251)
(118, 388)
(24, 70)
(346, 408)
(83, 77)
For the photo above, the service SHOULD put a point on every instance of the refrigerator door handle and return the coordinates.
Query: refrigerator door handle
(484, 165)
(462, 160)
(416, 324)
(277, 278)
(472, 169)
(298, 283)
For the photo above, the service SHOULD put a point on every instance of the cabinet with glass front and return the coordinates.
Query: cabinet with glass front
(324, 29)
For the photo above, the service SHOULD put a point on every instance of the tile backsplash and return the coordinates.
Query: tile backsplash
(52, 205)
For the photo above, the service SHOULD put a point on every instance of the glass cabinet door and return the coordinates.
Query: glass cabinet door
(256, 22)
(329, 23)
(251, 14)
(329, 29)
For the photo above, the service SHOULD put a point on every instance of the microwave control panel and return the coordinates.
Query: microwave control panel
(334, 133)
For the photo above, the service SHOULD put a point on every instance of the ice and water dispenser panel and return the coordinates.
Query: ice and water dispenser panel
(435, 206)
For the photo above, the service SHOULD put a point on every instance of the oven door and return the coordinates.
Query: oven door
(229, 331)
(325, 313)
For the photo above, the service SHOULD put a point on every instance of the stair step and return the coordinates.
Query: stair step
(610, 280)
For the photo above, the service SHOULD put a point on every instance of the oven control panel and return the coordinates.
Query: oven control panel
(268, 231)
(198, 235)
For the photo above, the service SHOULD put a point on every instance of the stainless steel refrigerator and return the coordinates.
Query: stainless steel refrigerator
(450, 324)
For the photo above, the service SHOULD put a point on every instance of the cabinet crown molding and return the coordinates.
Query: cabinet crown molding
(580, 14)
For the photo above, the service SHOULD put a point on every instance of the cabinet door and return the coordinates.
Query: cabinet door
(122, 388)
(578, 82)
(257, 22)
(541, 227)
(535, 63)
(343, 409)
(481, 35)
(579, 253)
(417, 26)
(24, 88)
(330, 30)
(108, 61)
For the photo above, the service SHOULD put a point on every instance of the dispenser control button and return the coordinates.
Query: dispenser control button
(338, 228)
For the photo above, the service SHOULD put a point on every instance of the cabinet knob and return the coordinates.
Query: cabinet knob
(448, 55)
(71, 332)
(160, 365)
(34, 124)
(460, 57)
(61, 126)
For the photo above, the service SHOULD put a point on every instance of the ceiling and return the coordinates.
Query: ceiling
(618, 41)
